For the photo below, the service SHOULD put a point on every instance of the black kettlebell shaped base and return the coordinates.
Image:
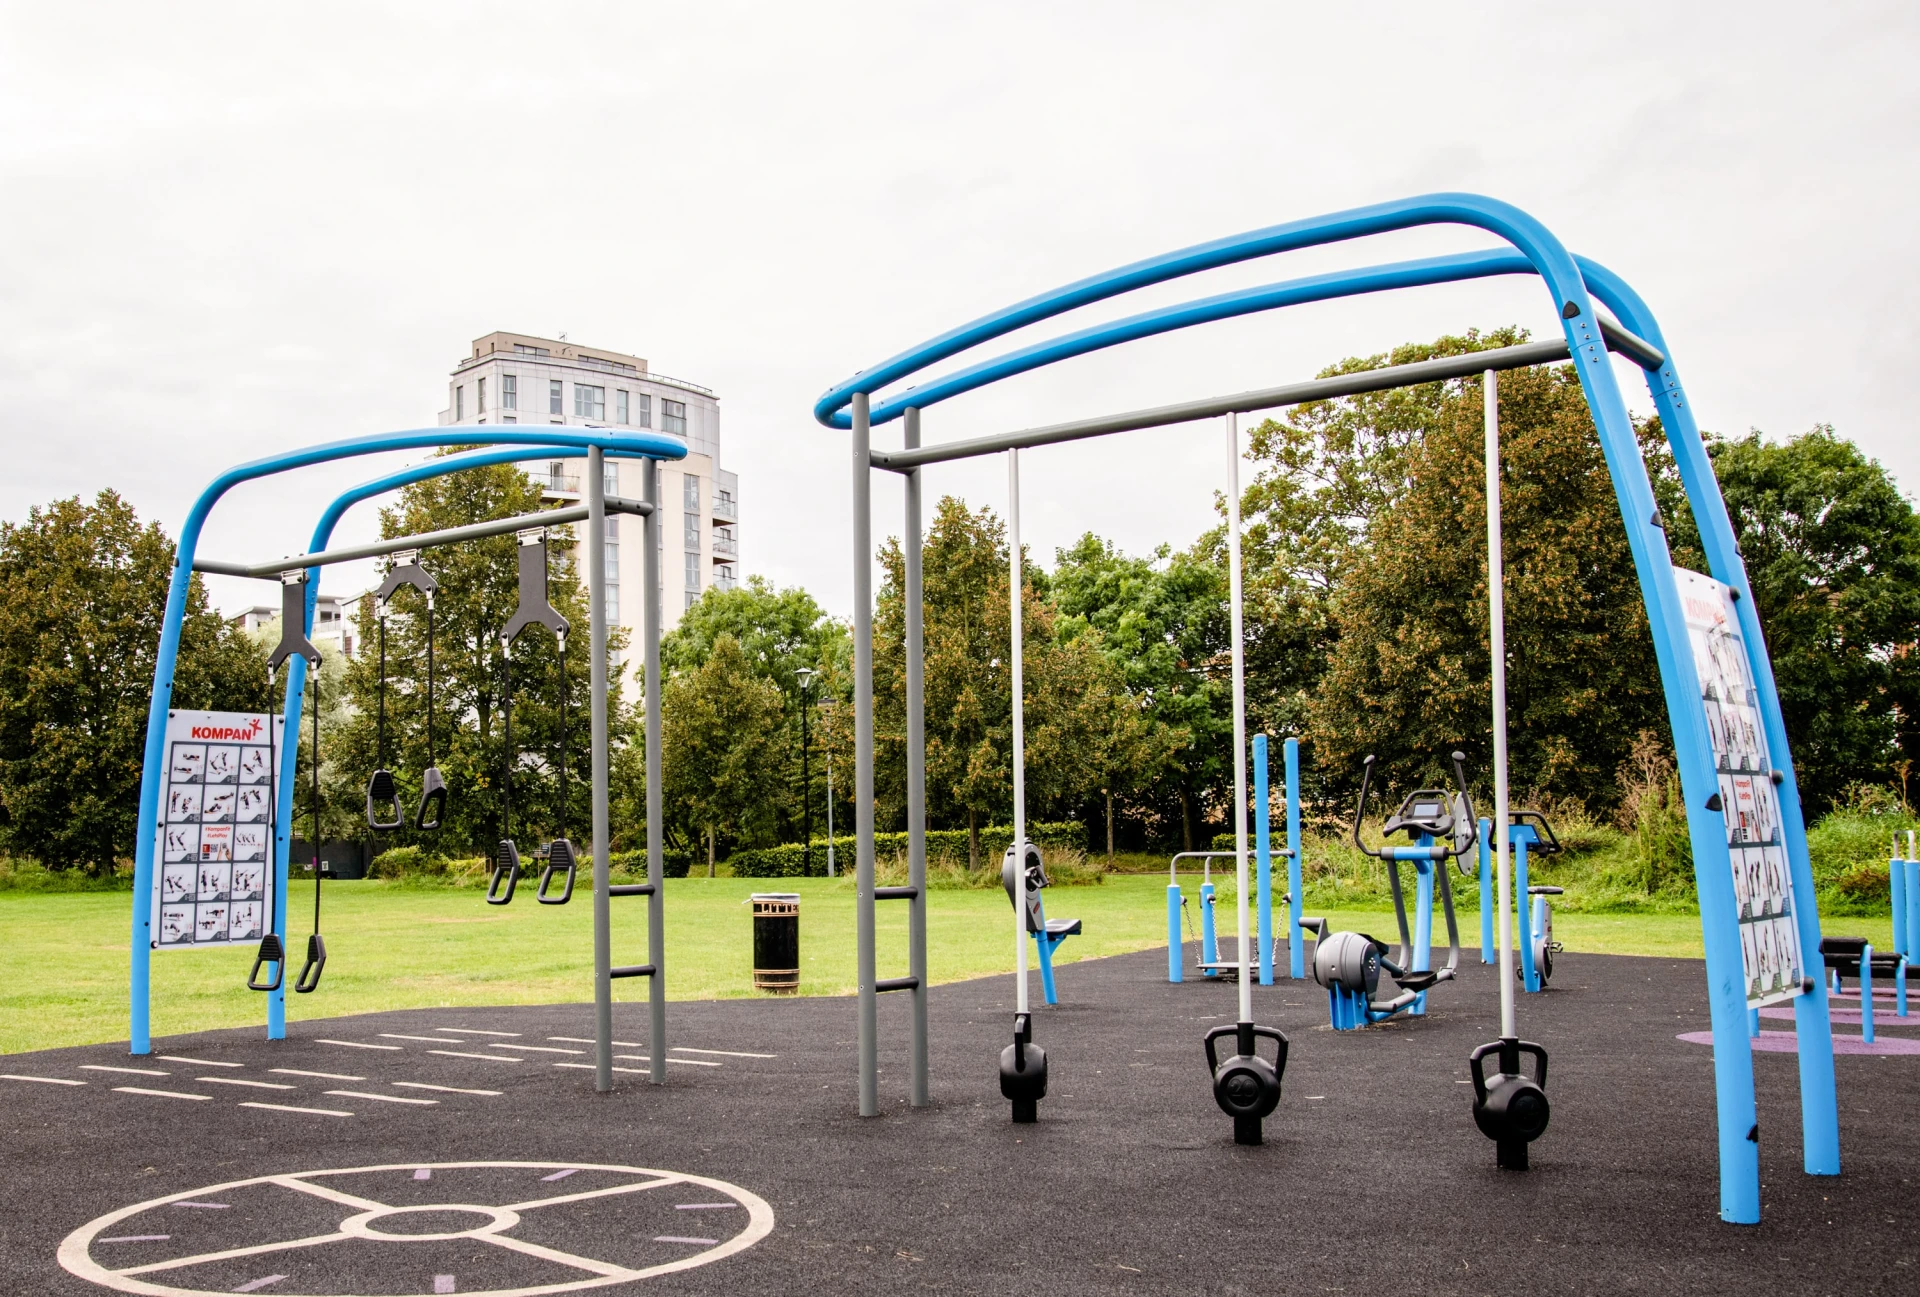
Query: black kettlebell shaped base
(1245, 1085)
(1511, 1109)
(1023, 1072)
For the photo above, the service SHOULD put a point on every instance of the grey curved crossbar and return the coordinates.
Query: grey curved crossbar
(534, 604)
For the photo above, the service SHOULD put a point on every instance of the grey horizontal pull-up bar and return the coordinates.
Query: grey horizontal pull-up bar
(447, 536)
(1637, 349)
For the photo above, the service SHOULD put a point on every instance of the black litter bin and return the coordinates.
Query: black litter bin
(776, 942)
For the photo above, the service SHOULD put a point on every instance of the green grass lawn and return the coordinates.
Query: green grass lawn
(63, 957)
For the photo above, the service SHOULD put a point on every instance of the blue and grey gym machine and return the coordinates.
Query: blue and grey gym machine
(1211, 965)
(1348, 964)
(1599, 316)
(1528, 834)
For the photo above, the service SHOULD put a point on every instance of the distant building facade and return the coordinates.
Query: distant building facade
(520, 378)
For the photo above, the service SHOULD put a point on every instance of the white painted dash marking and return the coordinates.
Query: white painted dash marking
(684, 1062)
(354, 1044)
(724, 1053)
(431, 1040)
(676, 1238)
(588, 1067)
(197, 1062)
(322, 1076)
(208, 1206)
(44, 1080)
(138, 1238)
(255, 1285)
(443, 1089)
(539, 1049)
(281, 1107)
(126, 1071)
(475, 1031)
(583, 1040)
(161, 1094)
(703, 1206)
(423, 1174)
(380, 1098)
(491, 1058)
(560, 1175)
(256, 1085)
(443, 1283)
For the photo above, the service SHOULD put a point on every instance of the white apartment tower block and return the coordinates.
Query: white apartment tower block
(518, 378)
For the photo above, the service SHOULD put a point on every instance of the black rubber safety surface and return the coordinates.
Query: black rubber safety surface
(1373, 1177)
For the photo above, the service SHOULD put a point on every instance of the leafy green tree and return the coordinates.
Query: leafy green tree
(1832, 550)
(1408, 674)
(478, 595)
(720, 725)
(1162, 622)
(83, 590)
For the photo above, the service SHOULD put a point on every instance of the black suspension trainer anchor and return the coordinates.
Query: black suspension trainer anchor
(293, 643)
(1512, 1109)
(1023, 1071)
(535, 607)
(384, 813)
(1245, 1085)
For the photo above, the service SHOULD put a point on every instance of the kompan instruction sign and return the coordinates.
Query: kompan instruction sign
(214, 883)
(1756, 848)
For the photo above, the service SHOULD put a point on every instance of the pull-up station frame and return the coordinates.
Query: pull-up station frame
(1575, 284)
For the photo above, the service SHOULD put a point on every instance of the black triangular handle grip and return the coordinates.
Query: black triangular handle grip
(316, 963)
(506, 869)
(271, 952)
(561, 859)
(433, 800)
(383, 803)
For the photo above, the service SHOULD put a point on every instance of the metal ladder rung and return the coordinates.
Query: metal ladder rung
(631, 889)
(632, 970)
(897, 984)
(896, 893)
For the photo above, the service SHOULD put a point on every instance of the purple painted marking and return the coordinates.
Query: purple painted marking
(560, 1175)
(424, 1174)
(211, 1206)
(255, 1285)
(703, 1206)
(136, 1238)
(1851, 1016)
(1785, 1042)
(675, 1238)
(443, 1283)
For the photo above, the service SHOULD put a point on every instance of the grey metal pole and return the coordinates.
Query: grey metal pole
(1497, 629)
(1239, 714)
(597, 710)
(1016, 591)
(916, 771)
(863, 753)
(656, 874)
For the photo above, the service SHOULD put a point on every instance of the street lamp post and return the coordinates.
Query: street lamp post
(805, 676)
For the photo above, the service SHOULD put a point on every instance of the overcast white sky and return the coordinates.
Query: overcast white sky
(232, 229)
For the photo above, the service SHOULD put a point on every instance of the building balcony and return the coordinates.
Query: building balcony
(725, 549)
(557, 484)
(725, 507)
(724, 579)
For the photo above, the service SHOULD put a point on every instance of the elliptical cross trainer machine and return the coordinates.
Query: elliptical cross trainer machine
(1348, 964)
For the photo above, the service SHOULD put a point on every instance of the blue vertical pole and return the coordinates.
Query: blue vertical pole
(1486, 890)
(1523, 911)
(1866, 993)
(1911, 869)
(1296, 852)
(1176, 949)
(1897, 880)
(1423, 923)
(1209, 943)
(1263, 857)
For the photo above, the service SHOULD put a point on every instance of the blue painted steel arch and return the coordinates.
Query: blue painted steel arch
(511, 443)
(1536, 251)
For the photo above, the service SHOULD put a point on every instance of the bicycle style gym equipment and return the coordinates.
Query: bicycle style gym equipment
(1537, 944)
(1600, 316)
(1511, 1109)
(1048, 934)
(432, 807)
(535, 608)
(473, 447)
(1348, 964)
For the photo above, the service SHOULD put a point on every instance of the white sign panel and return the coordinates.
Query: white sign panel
(1756, 848)
(213, 877)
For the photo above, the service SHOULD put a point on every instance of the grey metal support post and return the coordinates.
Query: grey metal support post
(597, 711)
(657, 898)
(916, 771)
(863, 752)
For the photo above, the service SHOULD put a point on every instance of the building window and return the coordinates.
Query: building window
(643, 411)
(553, 397)
(620, 405)
(589, 402)
(459, 404)
(693, 574)
(509, 391)
(690, 494)
(673, 417)
(480, 391)
(612, 571)
(508, 418)
(610, 482)
(692, 532)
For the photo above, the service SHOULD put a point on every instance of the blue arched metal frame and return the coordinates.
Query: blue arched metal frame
(1573, 284)
(510, 445)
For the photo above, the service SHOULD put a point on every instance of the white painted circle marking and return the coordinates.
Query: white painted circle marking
(75, 1254)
